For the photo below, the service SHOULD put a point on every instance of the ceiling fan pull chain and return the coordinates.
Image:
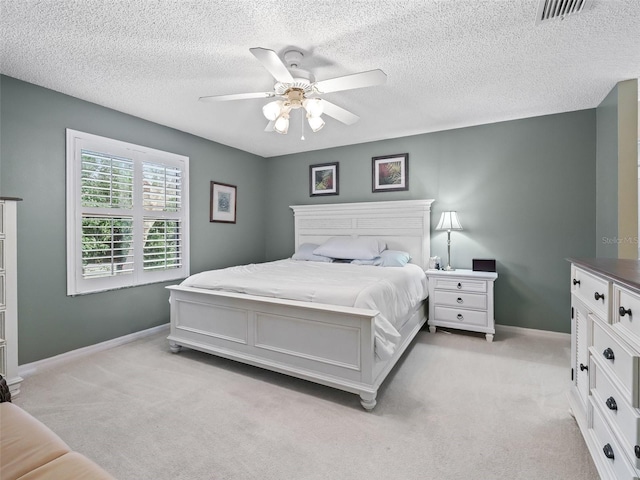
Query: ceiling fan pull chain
(302, 118)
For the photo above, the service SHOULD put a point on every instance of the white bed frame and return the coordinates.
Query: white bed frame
(327, 344)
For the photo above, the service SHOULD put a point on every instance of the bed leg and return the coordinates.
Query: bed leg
(432, 329)
(489, 337)
(368, 401)
(174, 347)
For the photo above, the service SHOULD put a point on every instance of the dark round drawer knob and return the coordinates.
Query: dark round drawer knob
(611, 403)
(459, 286)
(608, 354)
(598, 296)
(460, 300)
(624, 311)
(636, 450)
(460, 317)
(583, 367)
(608, 451)
(576, 282)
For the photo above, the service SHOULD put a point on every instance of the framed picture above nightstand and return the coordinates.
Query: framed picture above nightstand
(462, 299)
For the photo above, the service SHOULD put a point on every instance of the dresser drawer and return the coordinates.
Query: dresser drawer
(594, 292)
(627, 305)
(460, 299)
(619, 360)
(461, 316)
(609, 449)
(460, 284)
(617, 411)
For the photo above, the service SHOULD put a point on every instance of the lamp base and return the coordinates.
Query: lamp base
(449, 268)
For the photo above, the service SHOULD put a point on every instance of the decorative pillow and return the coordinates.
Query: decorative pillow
(388, 258)
(305, 252)
(363, 248)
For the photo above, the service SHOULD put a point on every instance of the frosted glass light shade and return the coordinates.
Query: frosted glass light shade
(316, 123)
(449, 221)
(282, 124)
(313, 106)
(272, 110)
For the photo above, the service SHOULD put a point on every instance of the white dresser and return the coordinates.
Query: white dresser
(605, 362)
(9, 294)
(462, 299)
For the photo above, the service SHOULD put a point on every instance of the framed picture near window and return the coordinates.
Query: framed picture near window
(323, 179)
(390, 173)
(223, 203)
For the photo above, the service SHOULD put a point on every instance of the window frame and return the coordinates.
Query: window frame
(76, 142)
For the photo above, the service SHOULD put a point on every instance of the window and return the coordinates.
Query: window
(127, 214)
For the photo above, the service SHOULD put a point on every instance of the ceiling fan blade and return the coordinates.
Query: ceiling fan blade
(273, 64)
(339, 113)
(348, 82)
(269, 127)
(237, 96)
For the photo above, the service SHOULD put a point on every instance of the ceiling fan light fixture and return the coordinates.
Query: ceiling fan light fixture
(282, 123)
(313, 106)
(315, 123)
(272, 110)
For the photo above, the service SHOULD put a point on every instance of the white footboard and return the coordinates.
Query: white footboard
(325, 344)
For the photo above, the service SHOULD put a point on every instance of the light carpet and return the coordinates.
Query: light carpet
(454, 407)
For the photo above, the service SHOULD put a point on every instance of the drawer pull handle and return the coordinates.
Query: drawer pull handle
(608, 354)
(583, 367)
(459, 285)
(611, 403)
(576, 282)
(460, 317)
(608, 451)
(598, 296)
(460, 300)
(624, 312)
(637, 451)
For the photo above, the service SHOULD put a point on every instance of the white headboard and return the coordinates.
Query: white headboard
(403, 224)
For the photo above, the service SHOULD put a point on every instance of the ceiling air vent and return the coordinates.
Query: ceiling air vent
(558, 9)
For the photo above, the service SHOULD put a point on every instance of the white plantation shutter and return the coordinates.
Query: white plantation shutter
(127, 214)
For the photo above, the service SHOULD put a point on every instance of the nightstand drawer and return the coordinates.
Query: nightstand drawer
(459, 299)
(461, 316)
(460, 284)
(619, 360)
(618, 411)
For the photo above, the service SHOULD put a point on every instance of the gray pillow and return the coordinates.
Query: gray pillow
(361, 248)
(388, 258)
(305, 253)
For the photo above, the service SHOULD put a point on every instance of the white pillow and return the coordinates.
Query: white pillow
(388, 258)
(305, 253)
(362, 248)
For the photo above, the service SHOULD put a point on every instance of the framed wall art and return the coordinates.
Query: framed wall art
(323, 179)
(390, 173)
(223, 203)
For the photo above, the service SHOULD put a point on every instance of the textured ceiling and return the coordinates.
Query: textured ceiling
(450, 63)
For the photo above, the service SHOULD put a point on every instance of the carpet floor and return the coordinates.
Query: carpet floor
(454, 407)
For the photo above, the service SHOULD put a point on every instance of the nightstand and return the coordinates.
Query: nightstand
(462, 299)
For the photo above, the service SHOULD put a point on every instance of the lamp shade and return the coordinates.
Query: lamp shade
(449, 221)
(282, 123)
(272, 110)
(316, 123)
(313, 106)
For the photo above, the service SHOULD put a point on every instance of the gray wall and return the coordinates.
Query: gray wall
(32, 148)
(524, 191)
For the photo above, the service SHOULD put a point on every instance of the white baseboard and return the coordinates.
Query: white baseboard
(33, 367)
(532, 331)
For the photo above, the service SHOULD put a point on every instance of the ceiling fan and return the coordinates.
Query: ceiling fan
(297, 88)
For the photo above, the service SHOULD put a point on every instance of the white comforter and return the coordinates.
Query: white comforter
(394, 292)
